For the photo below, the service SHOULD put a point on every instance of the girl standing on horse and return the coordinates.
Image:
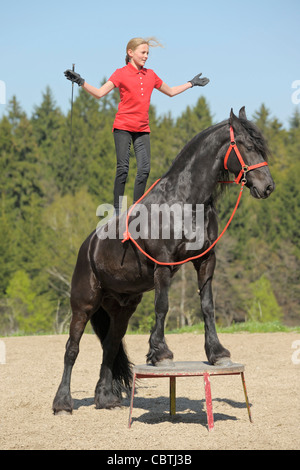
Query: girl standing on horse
(131, 124)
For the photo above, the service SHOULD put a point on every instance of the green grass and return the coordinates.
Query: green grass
(249, 327)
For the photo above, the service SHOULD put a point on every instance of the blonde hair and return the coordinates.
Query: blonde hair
(136, 42)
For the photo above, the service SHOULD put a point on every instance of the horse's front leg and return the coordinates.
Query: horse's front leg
(158, 350)
(215, 352)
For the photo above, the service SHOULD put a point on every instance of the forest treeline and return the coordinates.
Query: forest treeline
(51, 186)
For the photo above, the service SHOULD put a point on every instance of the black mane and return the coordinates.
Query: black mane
(192, 145)
(257, 138)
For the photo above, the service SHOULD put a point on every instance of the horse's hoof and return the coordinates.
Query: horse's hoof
(107, 405)
(223, 362)
(165, 363)
(62, 412)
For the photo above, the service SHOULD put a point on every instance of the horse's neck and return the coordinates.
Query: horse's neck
(194, 175)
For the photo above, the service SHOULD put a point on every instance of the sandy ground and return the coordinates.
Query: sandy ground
(32, 372)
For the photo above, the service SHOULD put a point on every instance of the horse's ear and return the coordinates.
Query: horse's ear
(232, 117)
(242, 113)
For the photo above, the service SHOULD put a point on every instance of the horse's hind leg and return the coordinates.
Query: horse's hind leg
(215, 352)
(63, 400)
(85, 299)
(158, 350)
(115, 372)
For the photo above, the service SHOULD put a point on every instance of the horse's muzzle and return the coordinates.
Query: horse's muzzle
(262, 193)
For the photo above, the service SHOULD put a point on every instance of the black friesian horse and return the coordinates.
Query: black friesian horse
(110, 276)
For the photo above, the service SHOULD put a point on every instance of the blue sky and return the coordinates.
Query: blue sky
(249, 50)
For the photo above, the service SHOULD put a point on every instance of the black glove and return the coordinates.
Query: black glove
(74, 77)
(197, 81)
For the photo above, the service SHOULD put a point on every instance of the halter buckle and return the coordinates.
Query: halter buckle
(245, 169)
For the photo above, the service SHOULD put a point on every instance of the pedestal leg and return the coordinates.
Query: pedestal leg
(172, 396)
(209, 411)
(246, 397)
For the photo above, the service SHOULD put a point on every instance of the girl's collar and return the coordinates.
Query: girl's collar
(142, 70)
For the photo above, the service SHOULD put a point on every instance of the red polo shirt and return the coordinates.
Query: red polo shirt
(135, 88)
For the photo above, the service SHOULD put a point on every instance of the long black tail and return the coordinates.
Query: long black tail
(122, 368)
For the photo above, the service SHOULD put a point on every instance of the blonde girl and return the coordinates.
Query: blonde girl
(131, 124)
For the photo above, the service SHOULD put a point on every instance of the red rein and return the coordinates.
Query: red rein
(245, 168)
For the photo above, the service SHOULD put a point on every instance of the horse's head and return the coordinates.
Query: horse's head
(251, 163)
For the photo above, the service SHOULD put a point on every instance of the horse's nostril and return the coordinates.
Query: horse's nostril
(269, 189)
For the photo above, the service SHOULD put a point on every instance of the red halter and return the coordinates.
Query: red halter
(245, 168)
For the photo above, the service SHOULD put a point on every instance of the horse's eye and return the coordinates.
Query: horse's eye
(250, 148)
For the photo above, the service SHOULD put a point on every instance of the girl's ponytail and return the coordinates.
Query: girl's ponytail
(135, 42)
